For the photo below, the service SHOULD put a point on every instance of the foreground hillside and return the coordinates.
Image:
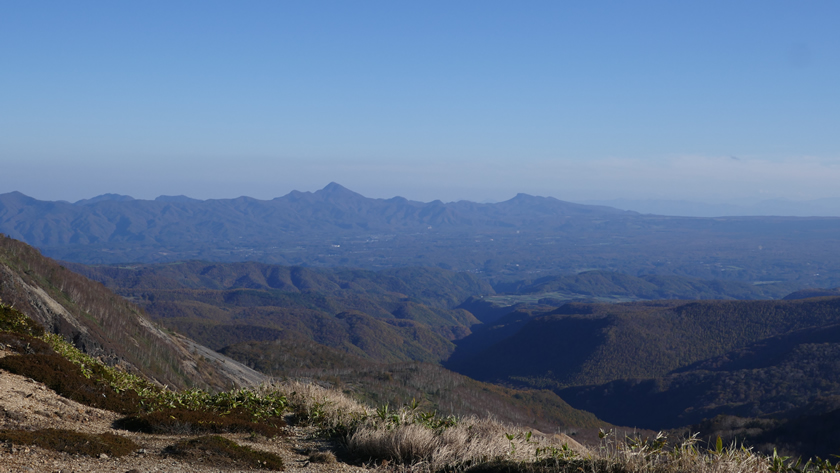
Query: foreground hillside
(52, 422)
(103, 324)
(104, 407)
(653, 364)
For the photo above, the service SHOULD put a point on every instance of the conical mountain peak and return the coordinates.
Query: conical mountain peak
(334, 190)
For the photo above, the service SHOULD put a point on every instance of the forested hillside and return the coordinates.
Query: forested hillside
(580, 344)
(396, 384)
(399, 314)
(101, 323)
(667, 364)
(607, 284)
(770, 376)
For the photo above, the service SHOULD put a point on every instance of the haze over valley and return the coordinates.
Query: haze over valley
(526, 237)
(588, 302)
(420, 237)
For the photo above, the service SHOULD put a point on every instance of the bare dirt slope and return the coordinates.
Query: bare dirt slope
(27, 404)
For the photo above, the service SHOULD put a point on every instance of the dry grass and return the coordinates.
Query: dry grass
(408, 436)
(633, 455)
(470, 441)
(322, 457)
(408, 440)
(483, 446)
(331, 410)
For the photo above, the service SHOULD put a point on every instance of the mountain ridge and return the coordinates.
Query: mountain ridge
(526, 236)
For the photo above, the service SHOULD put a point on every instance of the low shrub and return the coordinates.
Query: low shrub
(72, 442)
(185, 421)
(25, 344)
(67, 380)
(261, 403)
(13, 321)
(219, 452)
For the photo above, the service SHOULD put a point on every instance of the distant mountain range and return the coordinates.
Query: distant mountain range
(523, 238)
(828, 207)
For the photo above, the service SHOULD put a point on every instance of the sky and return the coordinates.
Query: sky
(730, 101)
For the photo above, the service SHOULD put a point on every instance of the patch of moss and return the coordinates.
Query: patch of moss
(67, 380)
(13, 321)
(72, 442)
(219, 451)
(184, 421)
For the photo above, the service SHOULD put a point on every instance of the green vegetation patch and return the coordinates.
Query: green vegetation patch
(184, 421)
(219, 452)
(13, 321)
(77, 376)
(68, 380)
(72, 442)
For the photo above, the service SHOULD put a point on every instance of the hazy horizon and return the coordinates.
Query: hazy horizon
(717, 103)
(826, 207)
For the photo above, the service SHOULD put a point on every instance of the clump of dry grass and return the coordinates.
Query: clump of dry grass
(428, 443)
(322, 457)
(328, 409)
(635, 455)
(408, 435)
(470, 441)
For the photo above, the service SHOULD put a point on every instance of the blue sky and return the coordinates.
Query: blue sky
(704, 101)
